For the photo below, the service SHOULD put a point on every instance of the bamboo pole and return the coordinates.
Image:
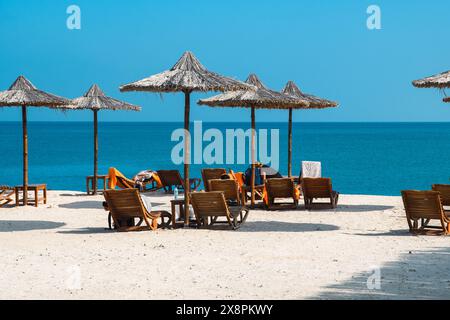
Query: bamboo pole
(187, 151)
(290, 144)
(25, 155)
(253, 158)
(94, 186)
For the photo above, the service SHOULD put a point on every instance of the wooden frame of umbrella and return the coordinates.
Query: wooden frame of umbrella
(314, 102)
(22, 93)
(94, 99)
(186, 76)
(262, 98)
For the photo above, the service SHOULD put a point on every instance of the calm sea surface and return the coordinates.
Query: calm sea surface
(361, 158)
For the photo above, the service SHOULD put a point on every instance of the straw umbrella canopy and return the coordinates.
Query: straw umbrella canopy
(439, 81)
(94, 99)
(22, 93)
(262, 98)
(187, 75)
(314, 102)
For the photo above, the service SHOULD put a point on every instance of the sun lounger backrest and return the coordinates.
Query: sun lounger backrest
(228, 187)
(170, 177)
(317, 187)
(444, 190)
(280, 187)
(422, 204)
(209, 204)
(210, 174)
(124, 203)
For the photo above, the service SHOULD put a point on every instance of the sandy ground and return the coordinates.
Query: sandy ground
(62, 250)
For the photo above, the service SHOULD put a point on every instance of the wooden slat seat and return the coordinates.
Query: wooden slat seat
(126, 205)
(210, 206)
(229, 188)
(281, 188)
(423, 206)
(319, 188)
(210, 174)
(6, 195)
(172, 178)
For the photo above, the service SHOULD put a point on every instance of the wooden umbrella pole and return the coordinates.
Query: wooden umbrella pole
(94, 186)
(187, 151)
(290, 144)
(25, 155)
(253, 157)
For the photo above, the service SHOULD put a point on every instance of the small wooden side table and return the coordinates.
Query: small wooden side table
(34, 188)
(90, 183)
(180, 203)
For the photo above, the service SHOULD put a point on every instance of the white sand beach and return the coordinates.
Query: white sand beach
(63, 251)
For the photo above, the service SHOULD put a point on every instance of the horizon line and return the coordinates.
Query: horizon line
(181, 121)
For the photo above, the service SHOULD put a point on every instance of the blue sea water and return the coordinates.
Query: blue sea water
(361, 158)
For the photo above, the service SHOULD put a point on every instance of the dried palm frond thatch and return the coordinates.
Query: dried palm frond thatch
(22, 93)
(292, 90)
(94, 99)
(261, 98)
(187, 75)
(440, 81)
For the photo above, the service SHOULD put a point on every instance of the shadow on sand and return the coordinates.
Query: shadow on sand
(417, 275)
(87, 231)
(18, 225)
(362, 208)
(93, 205)
(82, 205)
(393, 233)
(277, 226)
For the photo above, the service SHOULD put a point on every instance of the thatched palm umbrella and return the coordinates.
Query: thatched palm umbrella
(187, 75)
(314, 102)
(23, 94)
(440, 81)
(262, 98)
(94, 99)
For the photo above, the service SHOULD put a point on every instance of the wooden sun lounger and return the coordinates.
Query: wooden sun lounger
(6, 195)
(210, 206)
(126, 183)
(172, 178)
(229, 188)
(210, 174)
(444, 190)
(423, 206)
(281, 188)
(126, 205)
(318, 188)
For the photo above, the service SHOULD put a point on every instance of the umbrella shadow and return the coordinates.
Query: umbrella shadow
(363, 208)
(278, 226)
(87, 230)
(416, 275)
(393, 233)
(89, 204)
(20, 225)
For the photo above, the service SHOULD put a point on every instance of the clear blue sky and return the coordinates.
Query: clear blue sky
(324, 46)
